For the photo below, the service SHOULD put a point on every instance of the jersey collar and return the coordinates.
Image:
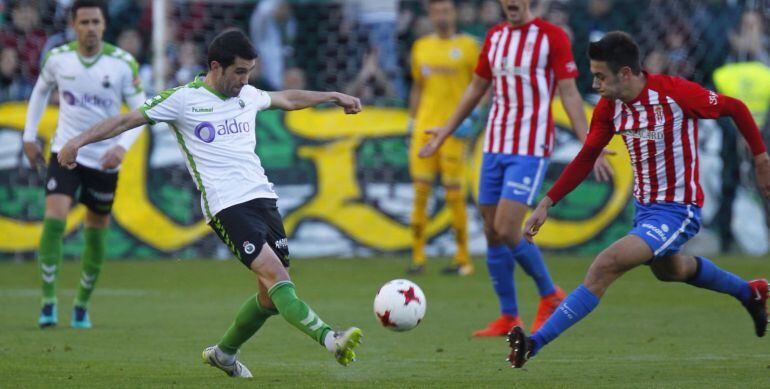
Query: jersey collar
(198, 83)
(91, 61)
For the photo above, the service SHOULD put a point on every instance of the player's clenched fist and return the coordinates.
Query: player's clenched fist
(67, 155)
(351, 104)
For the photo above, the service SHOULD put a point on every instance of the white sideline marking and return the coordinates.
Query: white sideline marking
(35, 292)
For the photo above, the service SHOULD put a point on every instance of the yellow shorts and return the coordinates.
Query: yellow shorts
(449, 160)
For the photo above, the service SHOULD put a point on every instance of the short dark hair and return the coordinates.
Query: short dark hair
(618, 49)
(88, 4)
(229, 44)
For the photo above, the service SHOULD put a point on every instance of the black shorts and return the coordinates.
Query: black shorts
(246, 227)
(97, 188)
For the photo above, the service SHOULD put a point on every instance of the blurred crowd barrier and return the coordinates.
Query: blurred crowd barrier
(343, 181)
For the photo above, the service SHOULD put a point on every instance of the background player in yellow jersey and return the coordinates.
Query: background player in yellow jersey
(442, 67)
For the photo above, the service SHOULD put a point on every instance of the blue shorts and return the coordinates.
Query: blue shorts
(514, 177)
(665, 227)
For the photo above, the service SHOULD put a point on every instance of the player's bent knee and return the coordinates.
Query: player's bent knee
(493, 239)
(603, 271)
(676, 268)
(662, 274)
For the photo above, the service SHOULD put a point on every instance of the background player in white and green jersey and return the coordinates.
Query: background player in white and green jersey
(214, 121)
(93, 78)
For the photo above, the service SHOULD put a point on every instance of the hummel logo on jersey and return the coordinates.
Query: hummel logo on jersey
(203, 110)
(67, 77)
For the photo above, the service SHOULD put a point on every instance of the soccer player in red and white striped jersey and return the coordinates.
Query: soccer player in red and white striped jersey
(525, 60)
(657, 116)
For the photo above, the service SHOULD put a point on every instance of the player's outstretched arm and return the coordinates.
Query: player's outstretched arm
(741, 115)
(473, 94)
(290, 100)
(108, 128)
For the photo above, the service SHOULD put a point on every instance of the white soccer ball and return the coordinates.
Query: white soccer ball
(400, 305)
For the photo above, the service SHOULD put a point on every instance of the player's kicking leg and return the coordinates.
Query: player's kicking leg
(282, 294)
(622, 256)
(277, 296)
(701, 272)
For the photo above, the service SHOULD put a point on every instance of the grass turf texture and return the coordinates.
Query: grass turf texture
(152, 319)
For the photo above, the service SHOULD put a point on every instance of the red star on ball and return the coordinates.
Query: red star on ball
(409, 296)
(385, 319)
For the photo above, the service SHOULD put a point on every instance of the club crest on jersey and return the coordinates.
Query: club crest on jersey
(106, 82)
(659, 116)
(241, 103)
(248, 247)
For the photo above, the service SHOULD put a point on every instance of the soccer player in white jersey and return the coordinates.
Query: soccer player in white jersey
(524, 60)
(657, 116)
(93, 78)
(214, 121)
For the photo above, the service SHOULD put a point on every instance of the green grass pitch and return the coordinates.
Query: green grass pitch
(153, 318)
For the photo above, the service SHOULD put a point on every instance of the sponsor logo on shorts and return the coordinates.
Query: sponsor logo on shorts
(51, 185)
(102, 196)
(520, 188)
(660, 232)
(653, 236)
(249, 247)
(282, 243)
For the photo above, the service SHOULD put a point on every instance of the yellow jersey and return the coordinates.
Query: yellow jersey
(444, 68)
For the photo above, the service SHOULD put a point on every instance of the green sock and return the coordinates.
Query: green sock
(296, 312)
(93, 256)
(49, 256)
(250, 319)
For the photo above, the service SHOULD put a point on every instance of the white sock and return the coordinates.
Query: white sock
(329, 341)
(224, 357)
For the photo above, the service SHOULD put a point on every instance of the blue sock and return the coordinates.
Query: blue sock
(576, 306)
(531, 260)
(710, 276)
(500, 266)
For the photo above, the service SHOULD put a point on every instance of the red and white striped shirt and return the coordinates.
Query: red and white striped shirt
(523, 63)
(660, 129)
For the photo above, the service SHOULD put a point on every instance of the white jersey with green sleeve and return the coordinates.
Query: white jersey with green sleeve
(216, 135)
(90, 90)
